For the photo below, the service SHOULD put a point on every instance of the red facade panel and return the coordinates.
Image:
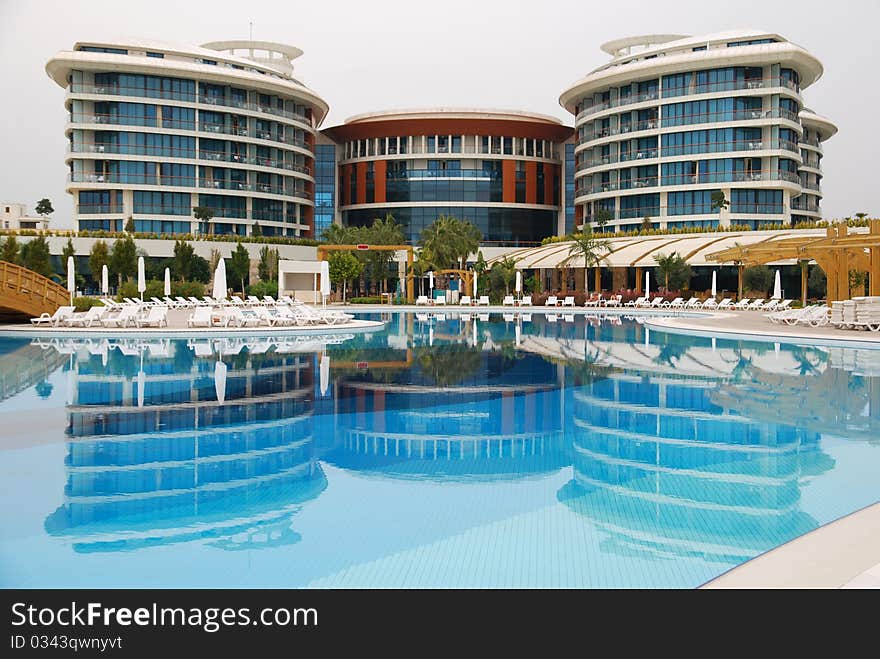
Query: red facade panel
(508, 181)
(531, 182)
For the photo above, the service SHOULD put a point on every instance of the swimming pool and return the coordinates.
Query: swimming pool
(448, 450)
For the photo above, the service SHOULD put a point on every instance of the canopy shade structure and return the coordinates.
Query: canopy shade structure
(639, 251)
(837, 250)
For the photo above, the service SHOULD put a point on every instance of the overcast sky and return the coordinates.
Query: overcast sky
(364, 56)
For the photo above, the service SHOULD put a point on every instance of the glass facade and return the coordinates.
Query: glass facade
(257, 146)
(569, 188)
(761, 103)
(510, 226)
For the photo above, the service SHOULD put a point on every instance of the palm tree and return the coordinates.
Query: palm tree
(449, 239)
(591, 249)
(506, 267)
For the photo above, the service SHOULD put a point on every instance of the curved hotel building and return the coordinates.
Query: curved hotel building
(502, 170)
(155, 130)
(672, 119)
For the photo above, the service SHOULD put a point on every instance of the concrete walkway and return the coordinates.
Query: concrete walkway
(753, 324)
(842, 554)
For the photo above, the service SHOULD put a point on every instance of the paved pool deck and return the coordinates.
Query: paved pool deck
(177, 328)
(841, 554)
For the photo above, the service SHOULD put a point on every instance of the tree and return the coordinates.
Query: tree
(129, 225)
(449, 239)
(646, 223)
(257, 230)
(240, 264)
(344, 266)
(123, 258)
(603, 217)
(204, 214)
(68, 250)
(99, 256)
(505, 271)
(182, 261)
(383, 231)
(200, 270)
(35, 256)
(419, 268)
(719, 201)
(591, 249)
(673, 270)
(11, 251)
(44, 207)
(267, 269)
(758, 278)
(817, 283)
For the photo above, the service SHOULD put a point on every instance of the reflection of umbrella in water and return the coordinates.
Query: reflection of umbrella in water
(518, 332)
(475, 332)
(220, 381)
(325, 374)
(431, 335)
(142, 384)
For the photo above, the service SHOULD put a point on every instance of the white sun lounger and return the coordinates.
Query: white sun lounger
(552, 301)
(53, 319)
(156, 317)
(635, 303)
(507, 301)
(200, 317)
(124, 318)
(568, 301)
(483, 301)
(526, 301)
(85, 318)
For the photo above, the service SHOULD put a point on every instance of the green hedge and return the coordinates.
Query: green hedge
(86, 303)
(262, 288)
(373, 299)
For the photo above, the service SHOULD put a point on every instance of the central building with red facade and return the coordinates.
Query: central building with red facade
(502, 170)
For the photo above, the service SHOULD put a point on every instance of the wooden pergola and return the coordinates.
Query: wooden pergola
(837, 253)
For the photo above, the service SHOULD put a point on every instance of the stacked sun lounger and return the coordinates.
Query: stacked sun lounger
(858, 313)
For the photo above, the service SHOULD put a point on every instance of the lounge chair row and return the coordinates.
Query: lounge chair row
(816, 315)
(105, 316)
(279, 315)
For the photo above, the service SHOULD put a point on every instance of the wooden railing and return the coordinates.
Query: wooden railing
(26, 292)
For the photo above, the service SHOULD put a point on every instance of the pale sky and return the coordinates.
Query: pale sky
(365, 56)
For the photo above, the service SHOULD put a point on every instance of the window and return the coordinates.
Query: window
(99, 49)
(752, 42)
(157, 55)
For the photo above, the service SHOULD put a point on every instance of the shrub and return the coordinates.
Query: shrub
(374, 299)
(262, 288)
(187, 288)
(758, 278)
(86, 303)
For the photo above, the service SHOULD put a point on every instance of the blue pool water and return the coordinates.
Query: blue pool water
(489, 451)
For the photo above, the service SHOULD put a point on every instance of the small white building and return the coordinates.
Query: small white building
(14, 216)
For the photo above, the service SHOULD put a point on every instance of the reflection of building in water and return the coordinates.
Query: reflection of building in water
(842, 399)
(174, 448)
(663, 469)
(460, 412)
(26, 365)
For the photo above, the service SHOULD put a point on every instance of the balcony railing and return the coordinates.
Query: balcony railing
(186, 97)
(442, 174)
(705, 178)
(725, 146)
(687, 90)
(189, 154)
(186, 182)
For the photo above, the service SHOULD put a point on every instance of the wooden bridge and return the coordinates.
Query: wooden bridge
(23, 292)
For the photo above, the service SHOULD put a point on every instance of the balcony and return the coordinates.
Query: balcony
(186, 97)
(704, 178)
(186, 182)
(676, 92)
